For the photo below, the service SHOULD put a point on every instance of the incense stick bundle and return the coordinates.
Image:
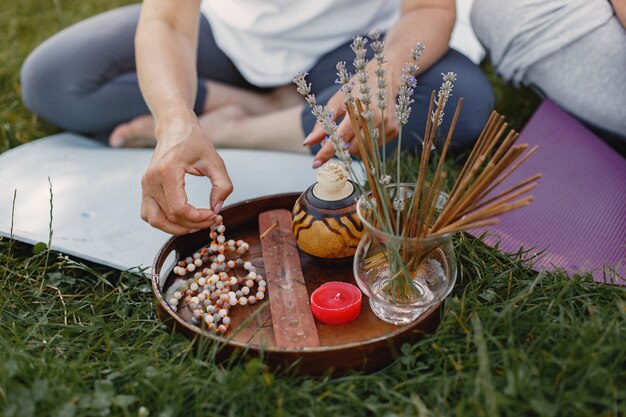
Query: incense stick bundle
(470, 203)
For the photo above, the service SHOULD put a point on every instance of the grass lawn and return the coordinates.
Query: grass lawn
(78, 339)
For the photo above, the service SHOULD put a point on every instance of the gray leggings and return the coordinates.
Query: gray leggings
(83, 79)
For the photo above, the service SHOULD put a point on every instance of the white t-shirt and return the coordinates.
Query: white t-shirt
(270, 40)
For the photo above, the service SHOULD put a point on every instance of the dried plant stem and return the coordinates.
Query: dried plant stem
(437, 184)
(508, 191)
(382, 204)
(484, 214)
(510, 170)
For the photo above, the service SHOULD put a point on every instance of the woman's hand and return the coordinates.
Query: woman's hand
(182, 148)
(344, 129)
(426, 21)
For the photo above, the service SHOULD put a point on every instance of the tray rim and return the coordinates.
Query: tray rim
(155, 280)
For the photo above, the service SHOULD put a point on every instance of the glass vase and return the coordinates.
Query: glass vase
(402, 276)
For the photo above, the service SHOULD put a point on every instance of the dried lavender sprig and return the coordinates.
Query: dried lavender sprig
(360, 64)
(378, 46)
(325, 118)
(445, 92)
(403, 107)
(344, 78)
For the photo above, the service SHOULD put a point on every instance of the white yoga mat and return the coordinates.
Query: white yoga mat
(97, 195)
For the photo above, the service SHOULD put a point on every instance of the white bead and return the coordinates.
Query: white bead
(249, 283)
(177, 295)
(193, 286)
(224, 297)
(245, 290)
(260, 295)
(247, 265)
(219, 285)
(232, 301)
(241, 250)
(211, 309)
(223, 312)
(207, 302)
(245, 245)
(252, 275)
(214, 266)
(231, 242)
(173, 301)
(175, 270)
(222, 328)
(243, 301)
(212, 234)
(251, 299)
(223, 276)
(201, 297)
(191, 267)
(198, 313)
(221, 239)
(202, 281)
(213, 247)
(262, 283)
(197, 262)
(238, 293)
(221, 228)
(221, 257)
(208, 318)
(189, 259)
(226, 320)
(262, 289)
(233, 281)
(212, 326)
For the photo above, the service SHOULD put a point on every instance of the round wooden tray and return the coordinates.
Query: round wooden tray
(366, 344)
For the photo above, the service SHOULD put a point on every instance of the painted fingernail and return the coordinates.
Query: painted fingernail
(317, 163)
(218, 207)
(193, 230)
(307, 139)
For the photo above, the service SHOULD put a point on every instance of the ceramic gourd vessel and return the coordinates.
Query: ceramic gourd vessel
(324, 219)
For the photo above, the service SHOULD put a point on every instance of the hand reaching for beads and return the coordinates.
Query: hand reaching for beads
(182, 148)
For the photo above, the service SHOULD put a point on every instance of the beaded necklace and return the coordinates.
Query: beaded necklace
(210, 293)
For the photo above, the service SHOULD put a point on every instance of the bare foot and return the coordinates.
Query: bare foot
(221, 124)
(138, 133)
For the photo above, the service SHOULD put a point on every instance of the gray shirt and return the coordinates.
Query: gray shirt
(522, 32)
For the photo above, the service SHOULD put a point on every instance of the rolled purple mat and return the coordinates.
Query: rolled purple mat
(577, 220)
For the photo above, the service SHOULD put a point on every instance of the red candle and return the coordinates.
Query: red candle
(336, 302)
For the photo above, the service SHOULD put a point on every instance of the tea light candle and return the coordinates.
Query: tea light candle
(336, 303)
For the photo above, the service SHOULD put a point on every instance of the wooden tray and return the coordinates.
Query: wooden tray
(366, 344)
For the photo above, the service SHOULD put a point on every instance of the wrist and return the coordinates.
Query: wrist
(172, 122)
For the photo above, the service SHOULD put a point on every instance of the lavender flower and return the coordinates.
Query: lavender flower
(344, 78)
(381, 82)
(445, 92)
(407, 85)
(360, 63)
(325, 117)
(405, 93)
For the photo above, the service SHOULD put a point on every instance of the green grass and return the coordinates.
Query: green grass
(78, 339)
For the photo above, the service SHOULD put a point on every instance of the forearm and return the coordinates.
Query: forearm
(429, 22)
(166, 45)
(620, 10)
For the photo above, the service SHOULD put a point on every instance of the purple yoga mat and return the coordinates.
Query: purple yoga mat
(578, 217)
